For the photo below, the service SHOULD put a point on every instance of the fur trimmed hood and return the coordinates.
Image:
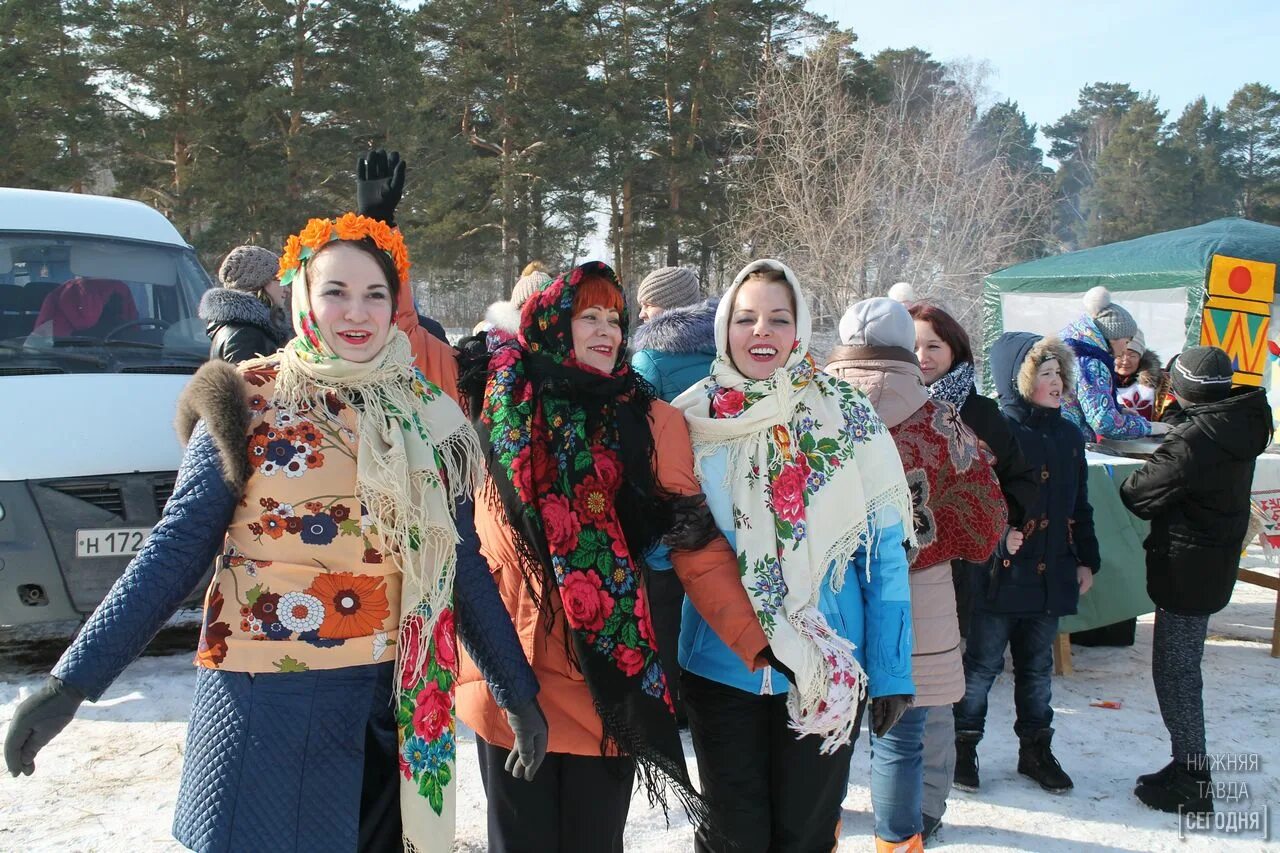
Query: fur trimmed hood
(1045, 349)
(690, 329)
(503, 316)
(1015, 358)
(217, 395)
(222, 306)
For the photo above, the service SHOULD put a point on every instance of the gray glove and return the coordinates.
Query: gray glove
(887, 710)
(530, 727)
(37, 721)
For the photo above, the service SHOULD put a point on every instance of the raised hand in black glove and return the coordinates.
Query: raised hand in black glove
(778, 665)
(379, 185)
(530, 727)
(37, 721)
(887, 710)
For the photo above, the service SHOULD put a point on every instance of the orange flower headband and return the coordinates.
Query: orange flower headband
(349, 226)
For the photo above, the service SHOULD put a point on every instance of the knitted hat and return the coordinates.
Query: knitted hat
(1112, 320)
(1202, 375)
(670, 287)
(1138, 343)
(527, 285)
(903, 292)
(878, 322)
(249, 268)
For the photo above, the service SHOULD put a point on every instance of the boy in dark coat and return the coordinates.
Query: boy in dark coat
(1195, 491)
(1018, 598)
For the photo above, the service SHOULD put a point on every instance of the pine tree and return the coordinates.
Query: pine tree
(1253, 122)
(51, 117)
(1139, 187)
(1076, 140)
(1199, 143)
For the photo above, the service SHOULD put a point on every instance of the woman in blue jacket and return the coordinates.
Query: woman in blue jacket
(805, 482)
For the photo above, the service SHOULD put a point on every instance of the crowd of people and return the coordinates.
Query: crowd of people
(698, 522)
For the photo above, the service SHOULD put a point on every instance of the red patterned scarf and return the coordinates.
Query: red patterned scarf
(959, 511)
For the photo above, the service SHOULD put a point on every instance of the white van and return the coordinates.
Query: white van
(98, 335)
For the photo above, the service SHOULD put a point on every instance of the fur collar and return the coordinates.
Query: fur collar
(217, 395)
(503, 316)
(221, 306)
(1150, 372)
(687, 330)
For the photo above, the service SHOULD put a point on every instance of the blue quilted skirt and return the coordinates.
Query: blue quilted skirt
(277, 761)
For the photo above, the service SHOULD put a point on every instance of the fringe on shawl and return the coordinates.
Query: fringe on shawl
(827, 704)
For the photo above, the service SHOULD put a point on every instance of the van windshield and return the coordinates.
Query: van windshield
(71, 304)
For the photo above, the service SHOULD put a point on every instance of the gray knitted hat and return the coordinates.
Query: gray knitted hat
(249, 268)
(1138, 343)
(878, 322)
(1112, 320)
(527, 285)
(670, 287)
(1202, 375)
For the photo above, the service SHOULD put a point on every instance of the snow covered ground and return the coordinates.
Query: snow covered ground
(109, 781)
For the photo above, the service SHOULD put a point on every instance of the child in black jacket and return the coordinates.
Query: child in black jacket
(1195, 490)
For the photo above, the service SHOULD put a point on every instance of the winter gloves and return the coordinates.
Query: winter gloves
(379, 185)
(778, 665)
(886, 711)
(37, 721)
(530, 727)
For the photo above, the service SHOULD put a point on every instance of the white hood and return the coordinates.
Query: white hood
(88, 424)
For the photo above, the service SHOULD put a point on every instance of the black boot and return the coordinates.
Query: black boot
(931, 825)
(966, 775)
(1159, 777)
(1035, 759)
(1180, 791)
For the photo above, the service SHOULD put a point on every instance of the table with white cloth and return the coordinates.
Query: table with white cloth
(1120, 587)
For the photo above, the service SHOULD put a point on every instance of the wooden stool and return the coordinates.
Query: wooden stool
(1259, 579)
(1062, 655)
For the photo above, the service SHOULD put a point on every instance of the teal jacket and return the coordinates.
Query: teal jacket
(874, 614)
(675, 351)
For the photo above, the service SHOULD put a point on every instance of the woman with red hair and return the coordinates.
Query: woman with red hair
(588, 477)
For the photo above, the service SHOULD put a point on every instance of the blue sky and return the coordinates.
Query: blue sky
(1042, 53)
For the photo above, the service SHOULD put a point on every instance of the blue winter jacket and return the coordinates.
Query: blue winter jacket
(1040, 580)
(874, 614)
(674, 351)
(190, 534)
(1091, 405)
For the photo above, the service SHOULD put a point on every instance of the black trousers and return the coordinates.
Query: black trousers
(575, 804)
(767, 789)
(380, 830)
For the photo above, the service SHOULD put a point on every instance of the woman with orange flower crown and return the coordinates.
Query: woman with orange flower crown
(332, 482)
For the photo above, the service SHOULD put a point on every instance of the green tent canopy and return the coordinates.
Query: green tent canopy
(1162, 279)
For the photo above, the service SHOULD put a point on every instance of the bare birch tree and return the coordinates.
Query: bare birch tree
(856, 195)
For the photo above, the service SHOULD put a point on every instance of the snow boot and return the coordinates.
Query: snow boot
(1036, 760)
(931, 826)
(1182, 791)
(966, 772)
(909, 845)
(1159, 777)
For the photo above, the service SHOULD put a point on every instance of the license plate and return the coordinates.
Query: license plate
(111, 542)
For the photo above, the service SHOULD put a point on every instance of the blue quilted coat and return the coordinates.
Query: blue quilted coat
(274, 761)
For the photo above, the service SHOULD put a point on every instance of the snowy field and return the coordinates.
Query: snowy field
(110, 779)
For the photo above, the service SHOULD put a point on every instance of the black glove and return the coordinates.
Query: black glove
(886, 711)
(37, 721)
(778, 665)
(530, 727)
(379, 185)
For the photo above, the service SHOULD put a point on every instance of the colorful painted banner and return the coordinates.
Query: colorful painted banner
(1237, 314)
